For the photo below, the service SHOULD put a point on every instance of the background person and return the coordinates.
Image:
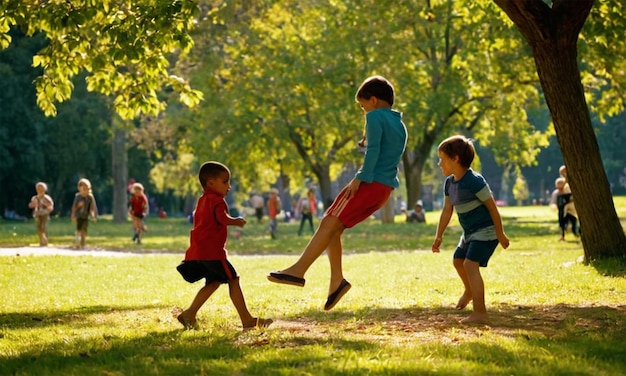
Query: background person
(83, 207)
(42, 205)
(138, 208)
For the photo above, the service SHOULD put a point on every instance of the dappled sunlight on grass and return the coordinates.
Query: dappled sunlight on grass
(84, 315)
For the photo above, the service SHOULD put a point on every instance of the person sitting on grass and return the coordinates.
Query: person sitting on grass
(206, 255)
(468, 193)
(417, 215)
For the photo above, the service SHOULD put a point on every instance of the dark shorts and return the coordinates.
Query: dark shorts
(140, 215)
(479, 251)
(82, 224)
(221, 271)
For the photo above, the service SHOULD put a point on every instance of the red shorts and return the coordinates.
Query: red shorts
(369, 198)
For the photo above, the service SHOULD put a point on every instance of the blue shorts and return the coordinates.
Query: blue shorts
(479, 251)
(221, 271)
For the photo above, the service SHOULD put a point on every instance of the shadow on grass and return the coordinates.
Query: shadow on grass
(77, 317)
(408, 341)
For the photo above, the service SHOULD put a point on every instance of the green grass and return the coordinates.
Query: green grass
(86, 315)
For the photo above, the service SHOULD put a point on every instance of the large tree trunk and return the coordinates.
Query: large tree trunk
(119, 160)
(552, 33)
(413, 175)
(323, 179)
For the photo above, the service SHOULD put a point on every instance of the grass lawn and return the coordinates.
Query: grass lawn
(86, 315)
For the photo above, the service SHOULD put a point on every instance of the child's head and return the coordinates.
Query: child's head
(563, 171)
(458, 146)
(274, 192)
(84, 184)
(559, 183)
(376, 86)
(137, 188)
(215, 176)
(41, 187)
(419, 205)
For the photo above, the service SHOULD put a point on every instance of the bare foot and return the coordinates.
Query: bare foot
(476, 318)
(188, 323)
(258, 323)
(464, 301)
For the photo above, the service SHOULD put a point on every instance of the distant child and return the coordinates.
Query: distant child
(259, 205)
(417, 215)
(307, 207)
(468, 193)
(138, 210)
(561, 200)
(42, 206)
(384, 142)
(84, 205)
(206, 255)
(273, 209)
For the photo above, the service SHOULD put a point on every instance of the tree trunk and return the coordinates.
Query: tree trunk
(119, 160)
(413, 176)
(388, 211)
(552, 33)
(323, 178)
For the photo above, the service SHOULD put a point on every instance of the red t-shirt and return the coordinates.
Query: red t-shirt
(208, 236)
(138, 204)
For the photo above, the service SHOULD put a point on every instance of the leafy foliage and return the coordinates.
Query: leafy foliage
(123, 45)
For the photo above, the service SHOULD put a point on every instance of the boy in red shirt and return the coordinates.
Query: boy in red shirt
(138, 209)
(206, 255)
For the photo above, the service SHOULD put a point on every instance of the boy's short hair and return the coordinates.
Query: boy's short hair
(210, 170)
(459, 146)
(376, 86)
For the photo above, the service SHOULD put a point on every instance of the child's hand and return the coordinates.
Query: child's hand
(504, 240)
(239, 221)
(436, 244)
(352, 188)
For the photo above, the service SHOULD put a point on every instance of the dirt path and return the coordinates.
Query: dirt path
(51, 251)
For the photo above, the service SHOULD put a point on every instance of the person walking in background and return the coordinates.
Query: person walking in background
(468, 193)
(138, 209)
(42, 205)
(307, 208)
(84, 205)
(384, 143)
(206, 256)
(258, 203)
(562, 202)
(273, 209)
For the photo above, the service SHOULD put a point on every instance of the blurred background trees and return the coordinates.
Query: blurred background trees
(268, 88)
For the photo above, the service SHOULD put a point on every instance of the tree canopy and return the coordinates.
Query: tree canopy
(125, 47)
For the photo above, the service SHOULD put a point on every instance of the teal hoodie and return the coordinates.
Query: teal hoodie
(386, 139)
